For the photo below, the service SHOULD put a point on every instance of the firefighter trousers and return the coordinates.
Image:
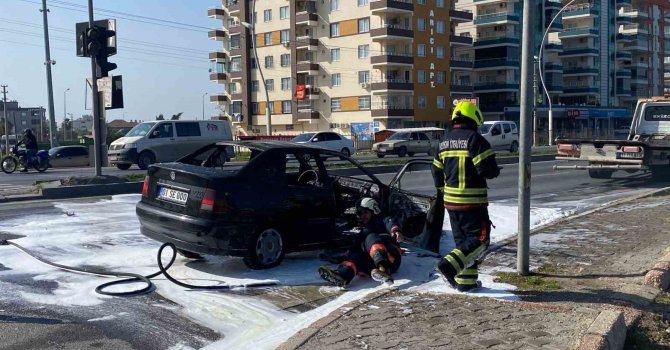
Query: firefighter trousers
(472, 235)
(374, 250)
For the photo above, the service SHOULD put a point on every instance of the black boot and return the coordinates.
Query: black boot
(339, 276)
(447, 272)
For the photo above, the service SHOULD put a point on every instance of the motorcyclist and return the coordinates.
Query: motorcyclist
(30, 143)
(375, 251)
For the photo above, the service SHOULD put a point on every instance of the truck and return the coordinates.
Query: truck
(647, 147)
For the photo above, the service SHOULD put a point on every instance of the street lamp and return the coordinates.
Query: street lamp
(203, 105)
(71, 125)
(541, 66)
(64, 110)
(250, 26)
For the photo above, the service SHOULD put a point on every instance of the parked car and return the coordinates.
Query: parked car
(502, 135)
(406, 144)
(69, 156)
(272, 205)
(328, 140)
(165, 141)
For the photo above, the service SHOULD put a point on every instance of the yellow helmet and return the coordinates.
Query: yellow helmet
(468, 110)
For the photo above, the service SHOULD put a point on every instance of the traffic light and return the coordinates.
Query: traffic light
(98, 41)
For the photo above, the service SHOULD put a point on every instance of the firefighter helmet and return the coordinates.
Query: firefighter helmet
(465, 109)
(370, 204)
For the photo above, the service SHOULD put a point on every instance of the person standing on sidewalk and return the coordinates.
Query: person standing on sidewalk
(461, 166)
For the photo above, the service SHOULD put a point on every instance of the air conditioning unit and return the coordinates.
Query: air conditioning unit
(364, 85)
(286, 43)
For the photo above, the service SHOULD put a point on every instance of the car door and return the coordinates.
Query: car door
(424, 142)
(61, 158)
(507, 135)
(414, 204)
(414, 144)
(162, 141)
(496, 136)
(80, 156)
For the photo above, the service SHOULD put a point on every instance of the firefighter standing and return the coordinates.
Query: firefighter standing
(461, 166)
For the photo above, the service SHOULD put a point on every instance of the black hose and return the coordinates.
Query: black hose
(133, 277)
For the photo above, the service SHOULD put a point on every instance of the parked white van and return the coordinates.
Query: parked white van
(165, 141)
(502, 135)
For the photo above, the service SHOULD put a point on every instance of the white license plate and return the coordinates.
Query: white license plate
(382, 150)
(171, 195)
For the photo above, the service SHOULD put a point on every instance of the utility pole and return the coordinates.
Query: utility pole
(525, 138)
(97, 133)
(535, 140)
(4, 115)
(48, 63)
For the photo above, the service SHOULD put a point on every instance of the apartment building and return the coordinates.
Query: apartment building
(337, 64)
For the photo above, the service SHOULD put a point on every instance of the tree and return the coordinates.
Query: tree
(177, 116)
(160, 117)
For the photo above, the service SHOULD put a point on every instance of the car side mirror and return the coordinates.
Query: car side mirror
(57, 155)
(316, 139)
(495, 132)
(156, 133)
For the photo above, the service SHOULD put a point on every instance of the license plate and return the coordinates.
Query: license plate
(172, 195)
(381, 150)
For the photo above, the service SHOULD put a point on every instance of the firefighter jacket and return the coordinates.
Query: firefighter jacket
(461, 166)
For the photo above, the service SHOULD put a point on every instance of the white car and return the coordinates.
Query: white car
(502, 135)
(328, 140)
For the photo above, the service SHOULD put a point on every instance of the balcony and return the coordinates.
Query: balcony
(639, 64)
(497, 18)
(306, 67)
(219, 56)
(391, 31)
(580, 71)
(623, 19)
(635, 28)
(312, 92)
(385, 110)
(456, 88)
(555, 46)
(236, 75)
(557, 26)
(218, 77)
(391, 6)
(497, 63)
(580, 11)
(569, 33)
(579, 51)
(217, 13)
(640, 79)
(496, 86)
(624, 74)
(306, 18)
(637, 45)
(624, 56)
(217, 34)
(460, 40)
(623, 92)
(625, 37)
(233, 6)
(392, 59)
(391, 85)
(583, 89)
(308, 115)
(553, 5)
(460, 16)
(219, 98)
(492, 41)
(455, 64)
(553, 68)
(555, 88)
(306, 43)
(624, 3)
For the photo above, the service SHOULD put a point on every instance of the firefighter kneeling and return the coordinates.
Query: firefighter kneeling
(461, 166)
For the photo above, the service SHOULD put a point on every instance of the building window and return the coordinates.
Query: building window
(267, 38)
(285, 84)
(285, 107)
(423, 102)
(441, 25)
(235, 41)
(363, 103)
(284, 36)
(334, 5)
(420, 2)
(236, 64)
(335, 105)
(363, 25)
(439, 3)
(363, 51)
(421, 76)
(232, 88)
(267, 15)
(439, 52)
(421, 50)
(272, 108)
(334, 55)
(364, 77)
(254, 108)
(285, 59)
(336, 79)
(363, 2)
(283, 12)
(441, 77)
(421, 24)
(441, 102)
(334, 30)
(269, 61)
(270, 84)
(254, 86)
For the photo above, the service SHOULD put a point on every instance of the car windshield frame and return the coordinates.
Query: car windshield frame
(401, 136)
(303, 137)
(139, 128)
(484, 128)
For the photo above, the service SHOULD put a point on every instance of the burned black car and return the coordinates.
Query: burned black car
(284, 199)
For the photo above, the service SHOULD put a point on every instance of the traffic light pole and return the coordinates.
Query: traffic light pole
(97, 140)
(53, 130)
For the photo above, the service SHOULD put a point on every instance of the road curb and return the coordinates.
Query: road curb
(659, 275)
(607, 332)
(91, 190)
(305, 334)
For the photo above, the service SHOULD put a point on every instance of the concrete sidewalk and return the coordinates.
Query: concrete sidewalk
(587, 287)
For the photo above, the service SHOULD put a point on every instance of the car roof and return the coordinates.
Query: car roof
(264, 145)
(69, 146)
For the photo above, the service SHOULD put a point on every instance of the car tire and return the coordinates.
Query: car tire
(431, 152)
(266, 249)
(411, 154)
(380, 155)
(123, 166)
(514, 148)
(145, 159)
(402, 151)
(189, 255)
(346, 152)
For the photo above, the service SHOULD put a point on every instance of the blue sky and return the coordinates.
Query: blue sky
(152, 84)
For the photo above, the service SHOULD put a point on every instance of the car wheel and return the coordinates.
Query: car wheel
(411, 154)
(266, 249)
(431, 152)
(123, 166)
(145, 159)
(514, 148)
(402, 151)
(346, 152)
(380, 155)
(189, 255)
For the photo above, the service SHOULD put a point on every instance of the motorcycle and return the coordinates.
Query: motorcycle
(16, 157)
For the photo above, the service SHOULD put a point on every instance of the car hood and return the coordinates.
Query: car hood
(124, 140)
(392, 142)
